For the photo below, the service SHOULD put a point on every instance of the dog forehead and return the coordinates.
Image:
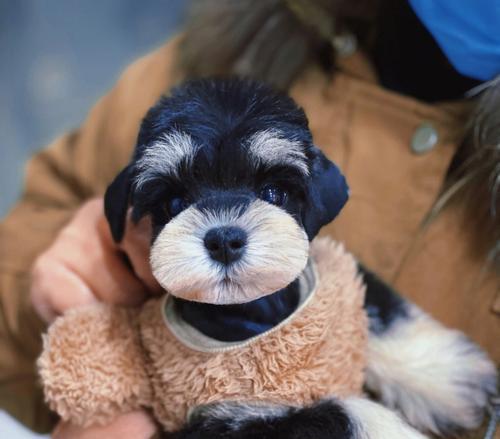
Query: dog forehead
(230, 155)
(225, 115)
(239, 159)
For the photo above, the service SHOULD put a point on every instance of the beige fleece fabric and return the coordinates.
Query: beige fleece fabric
(102, 360)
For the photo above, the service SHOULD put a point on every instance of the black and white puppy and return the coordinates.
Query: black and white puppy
(230, 167)
(236, 190)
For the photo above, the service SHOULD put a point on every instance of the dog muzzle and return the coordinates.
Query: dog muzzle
(229, 256)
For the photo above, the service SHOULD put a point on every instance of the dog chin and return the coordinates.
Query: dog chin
(231, 292)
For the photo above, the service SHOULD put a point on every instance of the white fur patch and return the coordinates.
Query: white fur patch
(373, 421)
(164, 156)
(276, 252)
(436, 377)
(271, 148)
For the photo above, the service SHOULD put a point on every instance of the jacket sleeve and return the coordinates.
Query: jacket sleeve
(58, 179)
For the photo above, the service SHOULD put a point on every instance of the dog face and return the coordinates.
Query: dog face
(235, 188)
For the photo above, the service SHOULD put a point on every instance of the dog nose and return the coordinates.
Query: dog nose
(225, 244)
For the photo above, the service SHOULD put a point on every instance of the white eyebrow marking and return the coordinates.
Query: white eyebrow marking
(272, 148)
(164, 156)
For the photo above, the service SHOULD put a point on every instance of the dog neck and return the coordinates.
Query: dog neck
(242, 321)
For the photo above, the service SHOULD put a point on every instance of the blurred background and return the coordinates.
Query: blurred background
(56, 58)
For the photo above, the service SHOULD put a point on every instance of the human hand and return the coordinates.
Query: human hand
(84, 265)
(133, 425)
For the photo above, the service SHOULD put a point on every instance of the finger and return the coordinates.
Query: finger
(133, 425)
(109, 278)
(99, 262)
(55, 288)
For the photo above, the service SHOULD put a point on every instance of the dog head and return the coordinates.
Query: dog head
(234, 186)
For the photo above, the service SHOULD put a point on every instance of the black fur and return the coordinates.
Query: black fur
(322, 202)
(259, 315)
(325, 420)
(383, 305)
(220, 116)
(116, 202)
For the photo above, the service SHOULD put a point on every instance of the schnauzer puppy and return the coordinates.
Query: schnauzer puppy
(228, 172)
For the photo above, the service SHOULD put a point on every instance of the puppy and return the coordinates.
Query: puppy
(228, 172)
(231, 168)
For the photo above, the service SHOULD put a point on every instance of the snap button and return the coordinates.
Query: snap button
(424, 138)
(345, 44)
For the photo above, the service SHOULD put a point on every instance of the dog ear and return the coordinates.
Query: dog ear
(328, 192)
(116, 202)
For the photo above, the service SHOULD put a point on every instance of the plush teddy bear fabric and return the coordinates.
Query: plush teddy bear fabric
(103, 360)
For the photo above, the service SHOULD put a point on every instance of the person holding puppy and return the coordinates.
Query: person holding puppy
(383, 87)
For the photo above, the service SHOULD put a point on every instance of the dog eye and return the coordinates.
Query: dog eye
(176, 205)
(274, 195)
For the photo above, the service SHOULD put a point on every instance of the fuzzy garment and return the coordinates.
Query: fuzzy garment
(103, 360)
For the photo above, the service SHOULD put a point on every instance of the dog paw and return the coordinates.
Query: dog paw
(325, 420)
(373, 421)
(437, 378)
(232, 420)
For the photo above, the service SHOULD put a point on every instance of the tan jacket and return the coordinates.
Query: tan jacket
(365, 129)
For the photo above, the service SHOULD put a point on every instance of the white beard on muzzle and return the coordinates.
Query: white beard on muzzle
(275, 254)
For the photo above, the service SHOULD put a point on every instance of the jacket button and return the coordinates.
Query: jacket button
(345, 44)
(424, 138)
